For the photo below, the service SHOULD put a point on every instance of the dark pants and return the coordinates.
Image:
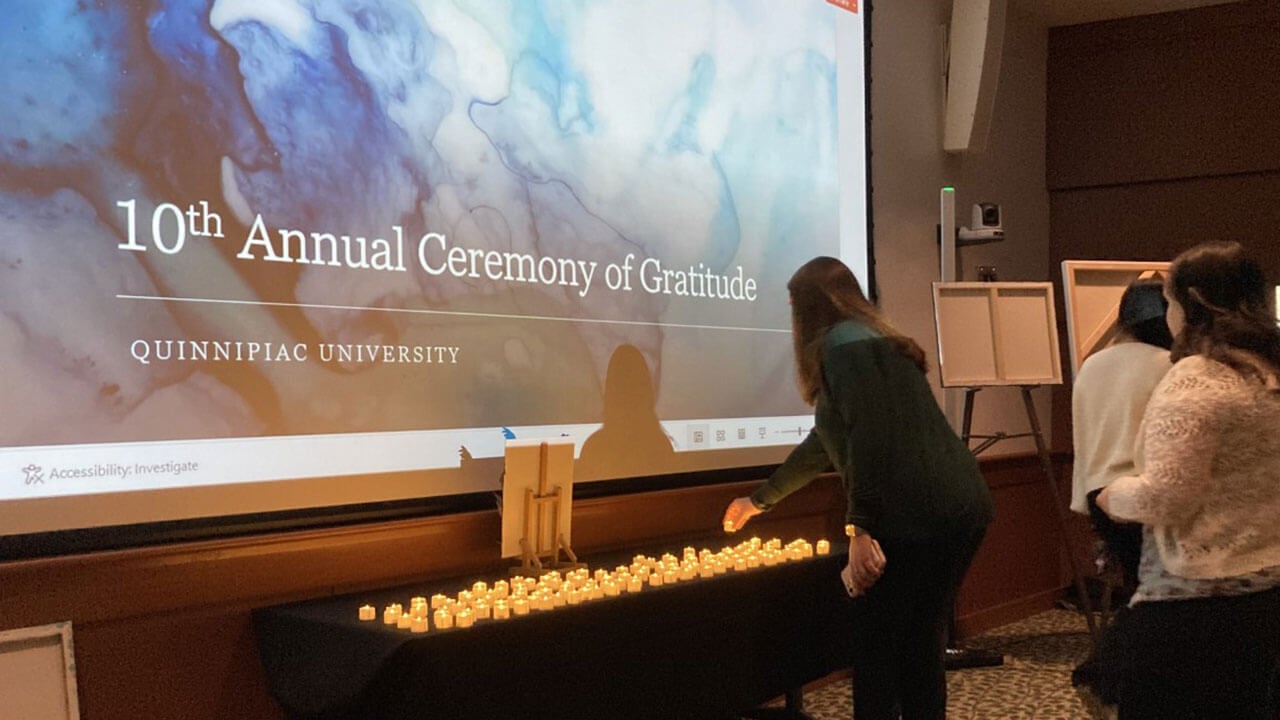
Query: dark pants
(901, 626)
(1199, 658)
(1123, 541)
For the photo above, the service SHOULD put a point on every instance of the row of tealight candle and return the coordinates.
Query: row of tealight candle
(521, 595)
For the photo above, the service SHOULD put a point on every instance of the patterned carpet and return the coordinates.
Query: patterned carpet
(1033, 684)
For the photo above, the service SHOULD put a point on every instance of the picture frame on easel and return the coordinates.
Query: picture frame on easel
(1091, 293)
(996, 333)
(38, 673)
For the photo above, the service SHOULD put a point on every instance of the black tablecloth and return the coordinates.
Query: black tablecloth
(700, 649)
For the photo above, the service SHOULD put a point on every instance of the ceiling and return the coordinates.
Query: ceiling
(1074, 12)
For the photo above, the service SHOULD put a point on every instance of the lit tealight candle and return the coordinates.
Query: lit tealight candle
(655, 579)
(575, 597)
(502, 588)
(368, 612)
(465, 619)
(501, 611)
(520, 606)
(404, 622)
(481, 609)
(610, 588)
(420, 625)
(444, 619)
(634, 584)
(480, 588)
(438, 600)
(706, 569)
(391, 614)
(824, 547)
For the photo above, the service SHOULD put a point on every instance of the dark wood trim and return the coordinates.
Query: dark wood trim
(980, 621)
(181, 612)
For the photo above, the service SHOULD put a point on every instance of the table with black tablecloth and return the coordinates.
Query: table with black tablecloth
(700, 649)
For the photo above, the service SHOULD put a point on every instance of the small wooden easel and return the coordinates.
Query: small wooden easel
(543, 542)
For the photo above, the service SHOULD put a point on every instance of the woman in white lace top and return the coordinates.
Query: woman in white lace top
(1203, 636)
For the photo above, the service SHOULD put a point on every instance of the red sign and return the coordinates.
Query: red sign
(850, 5)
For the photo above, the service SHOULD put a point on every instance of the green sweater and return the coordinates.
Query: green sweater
(906, 473)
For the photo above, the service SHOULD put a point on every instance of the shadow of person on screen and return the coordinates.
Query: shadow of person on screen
(631, 441)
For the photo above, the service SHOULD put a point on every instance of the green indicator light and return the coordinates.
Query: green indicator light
(948, 188)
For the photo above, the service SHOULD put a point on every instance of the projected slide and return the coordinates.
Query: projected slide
(267, 254)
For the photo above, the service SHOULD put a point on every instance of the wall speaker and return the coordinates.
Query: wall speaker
(974, 46)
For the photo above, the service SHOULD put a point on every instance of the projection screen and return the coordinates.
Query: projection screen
(272, 255)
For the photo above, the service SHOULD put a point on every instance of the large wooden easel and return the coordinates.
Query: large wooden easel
(542, 484)
(1046, 465)
(1005, 334)
(1092, 290)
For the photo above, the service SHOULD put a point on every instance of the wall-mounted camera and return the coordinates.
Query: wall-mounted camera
(986, 228)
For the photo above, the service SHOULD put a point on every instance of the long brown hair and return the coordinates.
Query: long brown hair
(824, 292)
(1223, 294)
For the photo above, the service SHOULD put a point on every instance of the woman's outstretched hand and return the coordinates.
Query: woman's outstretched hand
(739, 512)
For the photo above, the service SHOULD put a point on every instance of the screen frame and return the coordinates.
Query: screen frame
(26, 546)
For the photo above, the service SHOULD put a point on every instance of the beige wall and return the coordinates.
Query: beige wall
(909, 167)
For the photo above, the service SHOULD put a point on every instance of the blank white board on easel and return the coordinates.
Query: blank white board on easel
(1092, 291)
(996, 333)
(38, 674)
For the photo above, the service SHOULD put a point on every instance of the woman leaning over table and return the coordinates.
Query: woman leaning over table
(916, 502)
(1202, 639)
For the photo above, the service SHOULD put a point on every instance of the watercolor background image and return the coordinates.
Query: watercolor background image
(691, 132)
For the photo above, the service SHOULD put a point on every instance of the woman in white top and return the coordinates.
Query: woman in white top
(1202, 638)
(1108, 398)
